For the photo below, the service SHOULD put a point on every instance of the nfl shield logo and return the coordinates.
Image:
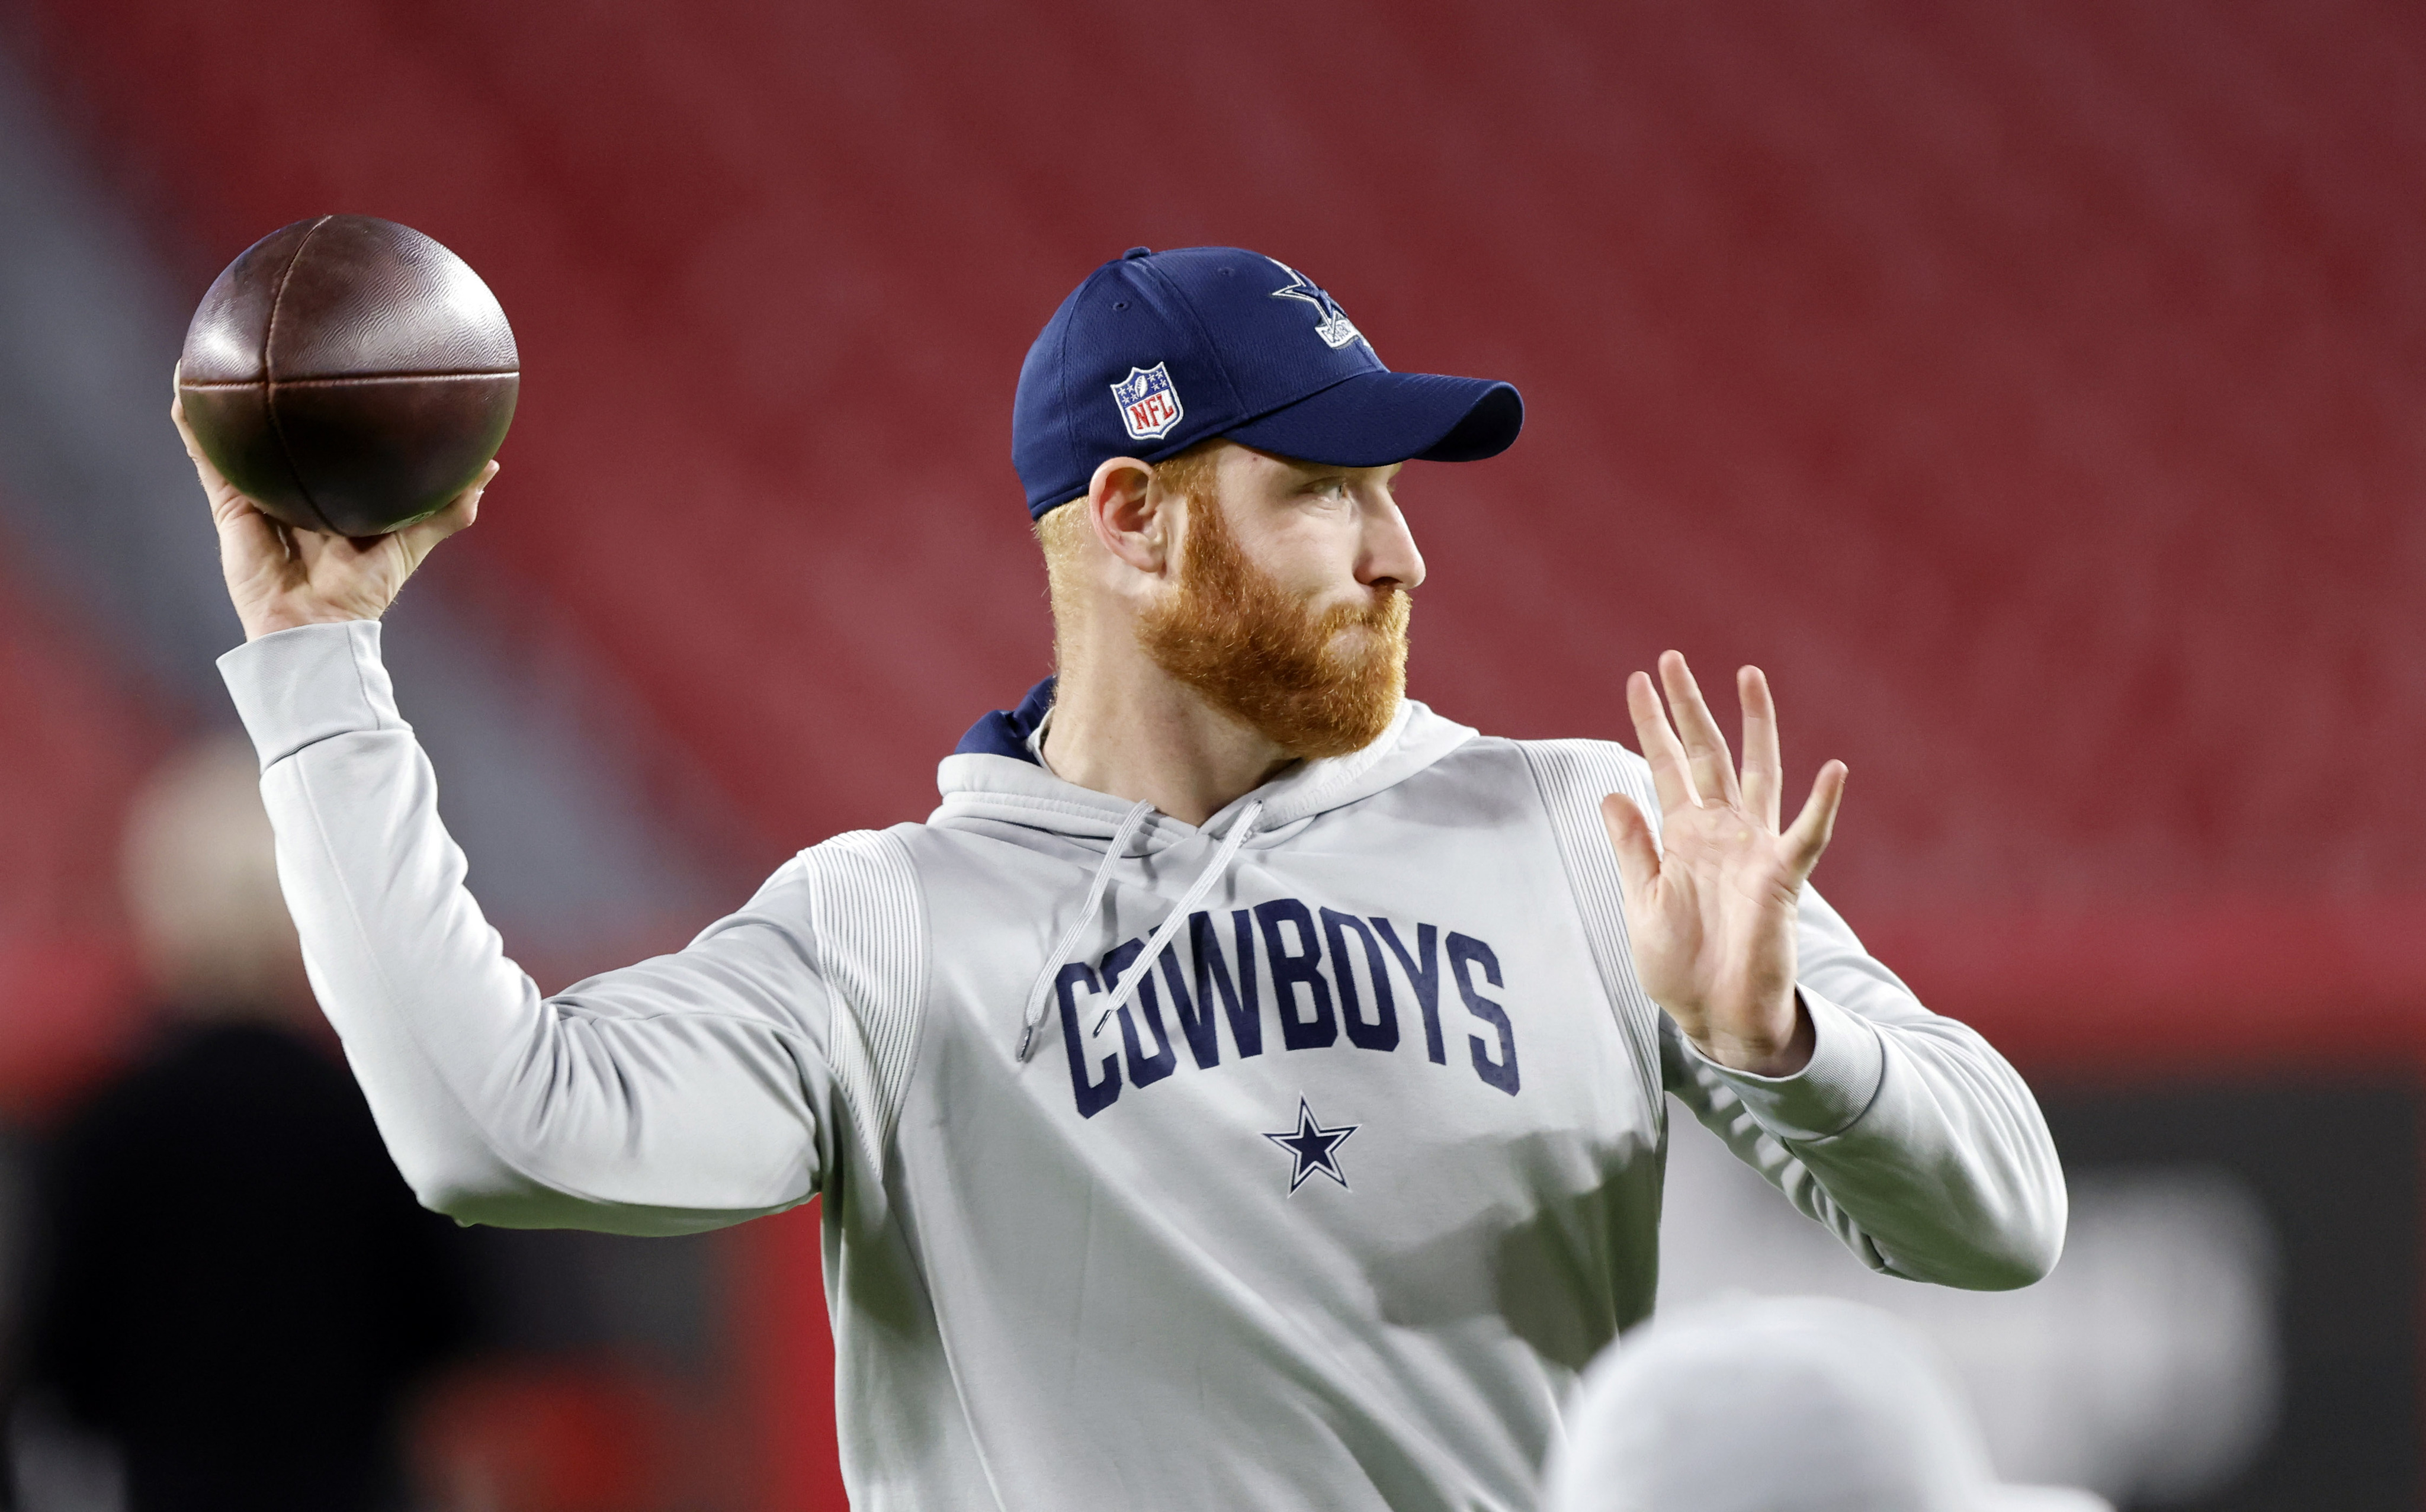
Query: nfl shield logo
(1149, 404)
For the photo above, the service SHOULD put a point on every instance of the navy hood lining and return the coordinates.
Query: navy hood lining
(1007, 731)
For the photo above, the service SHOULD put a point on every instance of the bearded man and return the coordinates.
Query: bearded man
(1078, 1062)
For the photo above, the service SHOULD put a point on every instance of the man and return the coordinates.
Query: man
(1245, 1089)
(236, 1292)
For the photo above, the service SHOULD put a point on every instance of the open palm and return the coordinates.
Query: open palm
(1710, 903)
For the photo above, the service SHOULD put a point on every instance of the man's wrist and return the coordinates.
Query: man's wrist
(1829, 1095)
(1764, 1057)
(270, 621)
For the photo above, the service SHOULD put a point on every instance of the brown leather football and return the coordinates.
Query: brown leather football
(350, 374)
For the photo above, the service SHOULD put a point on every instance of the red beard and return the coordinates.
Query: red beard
(1313, 685)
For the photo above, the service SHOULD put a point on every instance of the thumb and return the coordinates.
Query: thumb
(1808, 835)
(1629, 835)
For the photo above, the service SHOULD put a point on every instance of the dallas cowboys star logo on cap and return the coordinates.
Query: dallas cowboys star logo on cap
(1314, 1146)
(1333, 325)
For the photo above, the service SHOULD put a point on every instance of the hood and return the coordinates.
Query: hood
(993, 777)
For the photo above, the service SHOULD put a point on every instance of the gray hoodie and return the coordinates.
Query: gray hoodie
(1300, 1159)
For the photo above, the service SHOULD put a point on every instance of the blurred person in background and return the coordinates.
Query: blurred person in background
(233, 1287)
(1789, 1403)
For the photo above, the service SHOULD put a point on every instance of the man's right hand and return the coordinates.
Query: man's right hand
(281, 577)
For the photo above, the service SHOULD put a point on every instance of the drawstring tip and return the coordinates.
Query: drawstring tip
(1027, 1039)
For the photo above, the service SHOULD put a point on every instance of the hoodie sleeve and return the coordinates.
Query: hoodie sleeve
(684, 1093)
(1907, 1134)
(1911, 1139)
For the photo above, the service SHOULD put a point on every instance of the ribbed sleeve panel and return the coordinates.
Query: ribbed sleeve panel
(1574, 776)
(870, 922)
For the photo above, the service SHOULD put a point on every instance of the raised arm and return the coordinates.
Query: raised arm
(678, 1094)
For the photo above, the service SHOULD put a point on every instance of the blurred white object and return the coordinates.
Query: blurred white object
(201, 873)
(1779, 1405)
(2146, 1367)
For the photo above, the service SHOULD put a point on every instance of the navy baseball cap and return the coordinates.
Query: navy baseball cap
(1158, 350)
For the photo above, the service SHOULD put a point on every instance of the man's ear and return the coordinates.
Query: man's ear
(1126, 511)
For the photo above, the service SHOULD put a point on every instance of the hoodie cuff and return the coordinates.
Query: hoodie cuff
(296, 687)
(1827, 1095)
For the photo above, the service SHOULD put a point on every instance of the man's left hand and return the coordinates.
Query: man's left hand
(1710, 903)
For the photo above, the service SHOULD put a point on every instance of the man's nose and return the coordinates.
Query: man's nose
(1389, 554)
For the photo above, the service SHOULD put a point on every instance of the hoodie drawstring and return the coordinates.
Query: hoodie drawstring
(1053, 963)
(1129, 826)
(1244, 826)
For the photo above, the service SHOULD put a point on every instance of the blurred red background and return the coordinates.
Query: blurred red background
(2038, 391)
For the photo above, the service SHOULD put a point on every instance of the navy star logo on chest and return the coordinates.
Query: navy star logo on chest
(1313, 1147)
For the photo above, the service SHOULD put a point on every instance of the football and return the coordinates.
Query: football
(350, 374)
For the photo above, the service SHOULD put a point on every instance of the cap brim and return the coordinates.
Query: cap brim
(1374, 419)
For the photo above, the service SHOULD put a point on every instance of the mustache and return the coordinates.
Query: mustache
(1387, 609)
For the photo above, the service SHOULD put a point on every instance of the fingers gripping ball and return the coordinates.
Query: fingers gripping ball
(350, 374)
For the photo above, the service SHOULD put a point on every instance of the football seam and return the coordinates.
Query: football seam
(269, 378)
(346, 377)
